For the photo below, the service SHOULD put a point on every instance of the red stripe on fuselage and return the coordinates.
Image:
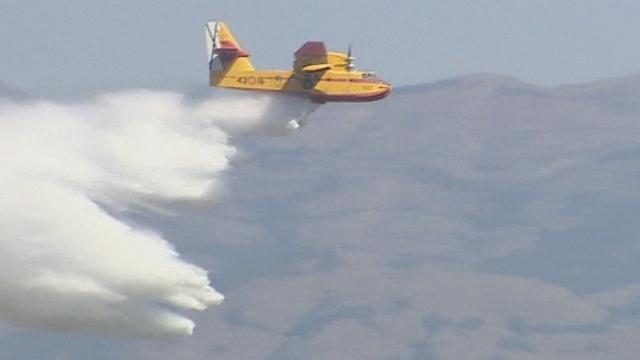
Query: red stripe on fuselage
(352, 97)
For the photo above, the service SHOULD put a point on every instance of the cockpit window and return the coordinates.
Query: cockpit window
(368, 75)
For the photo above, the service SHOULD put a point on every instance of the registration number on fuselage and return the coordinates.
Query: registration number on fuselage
(250, 80)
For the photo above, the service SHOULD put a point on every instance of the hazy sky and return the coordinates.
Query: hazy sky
(68, 48)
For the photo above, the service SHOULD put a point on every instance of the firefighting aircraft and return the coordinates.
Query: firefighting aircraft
(320, 75)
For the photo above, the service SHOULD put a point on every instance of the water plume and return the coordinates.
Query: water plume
(68, 261)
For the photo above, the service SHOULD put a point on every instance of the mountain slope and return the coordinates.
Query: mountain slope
(476, 215)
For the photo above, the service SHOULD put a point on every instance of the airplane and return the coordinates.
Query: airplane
(318, 74)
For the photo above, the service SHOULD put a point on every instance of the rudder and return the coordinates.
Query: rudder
(225, 53)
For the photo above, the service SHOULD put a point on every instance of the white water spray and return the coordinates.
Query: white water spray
(65, 262)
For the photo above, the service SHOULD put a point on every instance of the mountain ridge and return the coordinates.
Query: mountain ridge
(495, 80)
(10, 92)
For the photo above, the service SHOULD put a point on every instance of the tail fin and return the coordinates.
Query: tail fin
(225, 54)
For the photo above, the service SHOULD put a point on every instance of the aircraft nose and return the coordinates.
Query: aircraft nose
(384, 91)
(385, 88)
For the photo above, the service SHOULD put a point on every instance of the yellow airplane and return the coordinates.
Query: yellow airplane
(318, 74)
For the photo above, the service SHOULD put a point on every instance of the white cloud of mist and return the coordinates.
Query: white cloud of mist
(264, 114)
(68, 264)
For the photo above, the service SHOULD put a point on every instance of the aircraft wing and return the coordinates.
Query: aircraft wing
(311, 57)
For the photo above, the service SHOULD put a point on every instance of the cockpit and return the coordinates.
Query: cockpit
(369, 75)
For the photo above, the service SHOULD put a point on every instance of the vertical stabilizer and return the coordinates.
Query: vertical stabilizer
(225, 53)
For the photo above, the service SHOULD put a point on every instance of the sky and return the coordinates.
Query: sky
(70, 48)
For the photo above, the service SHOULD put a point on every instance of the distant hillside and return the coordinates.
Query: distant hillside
(475, 215)
(619, 94)
(9, 92)
(482, 80)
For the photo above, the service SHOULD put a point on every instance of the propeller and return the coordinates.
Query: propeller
(350, 59)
